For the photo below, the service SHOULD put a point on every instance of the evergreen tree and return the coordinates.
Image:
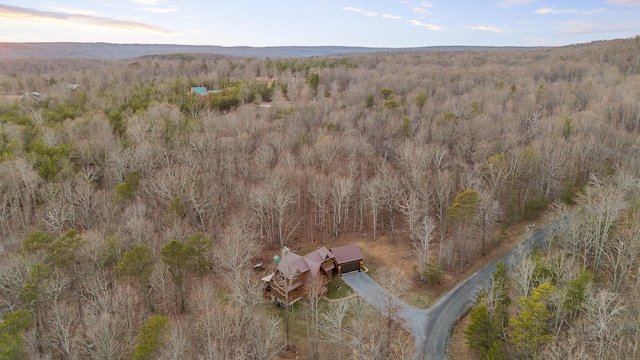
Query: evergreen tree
(11, 327)
(153, 334)
(529, 328)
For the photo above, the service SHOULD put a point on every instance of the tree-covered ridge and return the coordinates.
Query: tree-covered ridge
(129, 198)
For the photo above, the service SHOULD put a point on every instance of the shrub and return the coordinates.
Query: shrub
(387, 93)
(534, 208)
(390, 104)
(433, 275)
(126, 190)
(370, 101)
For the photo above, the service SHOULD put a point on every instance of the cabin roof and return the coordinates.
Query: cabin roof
(347, 253)
(320, 255)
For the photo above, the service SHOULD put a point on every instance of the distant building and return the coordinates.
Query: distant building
(202, 91)
(199, 90)
(30, 96)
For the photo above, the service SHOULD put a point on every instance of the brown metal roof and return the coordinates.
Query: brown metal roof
(319, 255)
(292, 264)
(347, 253)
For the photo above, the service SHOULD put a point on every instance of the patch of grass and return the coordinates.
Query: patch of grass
(419, 298)
(338, 289)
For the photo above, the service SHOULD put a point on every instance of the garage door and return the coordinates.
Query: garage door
(349, 267)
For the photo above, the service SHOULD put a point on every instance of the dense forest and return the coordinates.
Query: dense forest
(132, 210)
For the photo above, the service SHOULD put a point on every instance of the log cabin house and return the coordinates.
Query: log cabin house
(295, 274)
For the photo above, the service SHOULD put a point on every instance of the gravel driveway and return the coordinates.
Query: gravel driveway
(414, 320)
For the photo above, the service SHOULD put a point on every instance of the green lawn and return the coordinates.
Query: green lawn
(338, 289)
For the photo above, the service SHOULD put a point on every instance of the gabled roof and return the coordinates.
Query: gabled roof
(313, 266)
(347, 253)
(320, 255)
(292, 264)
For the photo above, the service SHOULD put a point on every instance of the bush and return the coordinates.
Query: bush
(406, 127)
(50, 159)
(568, 194)
(127, 189)
(370, 101)
(387, 93)
(534, 208)
(226, 100)
(390, 104)
(433, 275)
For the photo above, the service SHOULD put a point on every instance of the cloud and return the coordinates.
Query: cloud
(371, 13)
(537, 41)
(553, 11)
(148, 2)
(487, 28)
(156, 10)
(580, 27)
(360, 11)
(72, 10)
(428, 26)
(395, 17)
(423, 9)
(625, 2)
(19, 13)
(508, 3)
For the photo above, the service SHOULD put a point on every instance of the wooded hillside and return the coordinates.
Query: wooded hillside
(132, 210)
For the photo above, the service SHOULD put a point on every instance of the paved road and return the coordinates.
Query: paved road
(431, 328)
(454, 304)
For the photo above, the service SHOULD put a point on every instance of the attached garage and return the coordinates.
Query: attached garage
(348, 258)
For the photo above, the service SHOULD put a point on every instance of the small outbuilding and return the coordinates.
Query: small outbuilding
(202, 91)
(348, 258)
(199, 90)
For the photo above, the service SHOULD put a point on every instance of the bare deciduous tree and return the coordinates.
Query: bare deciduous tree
(319, 192)
(340, 191)
(425, 236)
(603, 312)
(64, 323)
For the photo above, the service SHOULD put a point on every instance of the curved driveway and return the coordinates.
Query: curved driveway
(431, 328)
(414, 320)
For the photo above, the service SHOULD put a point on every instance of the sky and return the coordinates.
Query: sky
(368, 23)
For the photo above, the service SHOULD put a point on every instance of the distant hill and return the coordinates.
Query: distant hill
(123, 51)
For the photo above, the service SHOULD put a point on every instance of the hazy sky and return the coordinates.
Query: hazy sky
(371, 23)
